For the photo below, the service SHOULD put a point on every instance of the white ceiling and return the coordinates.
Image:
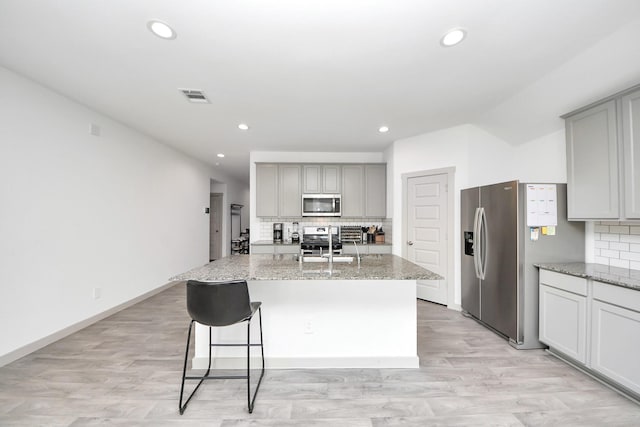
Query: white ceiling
(306, 75)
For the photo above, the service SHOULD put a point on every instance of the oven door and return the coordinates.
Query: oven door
(321, 205)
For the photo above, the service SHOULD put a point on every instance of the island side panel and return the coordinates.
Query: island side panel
(326, 324)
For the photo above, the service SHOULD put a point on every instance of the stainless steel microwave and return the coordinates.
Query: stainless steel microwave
(321, 205)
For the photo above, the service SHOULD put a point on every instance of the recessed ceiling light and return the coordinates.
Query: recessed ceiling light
(161, 30)
(220, 155)
(383, 129)
(243, 126)
(453, 37)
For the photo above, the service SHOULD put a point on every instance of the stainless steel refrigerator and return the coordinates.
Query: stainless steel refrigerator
(499, 280)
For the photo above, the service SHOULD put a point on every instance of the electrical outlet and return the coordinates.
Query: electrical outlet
(97, 293)
(308, 326)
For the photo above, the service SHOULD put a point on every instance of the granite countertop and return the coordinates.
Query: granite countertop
(286, 267)
(624, 277)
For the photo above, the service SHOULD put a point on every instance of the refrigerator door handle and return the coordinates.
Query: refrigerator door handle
(476, 243)
(484, 241)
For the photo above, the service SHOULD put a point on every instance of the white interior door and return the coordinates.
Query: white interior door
(427, 224)
(215, 227)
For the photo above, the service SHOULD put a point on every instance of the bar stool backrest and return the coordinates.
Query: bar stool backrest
(218, 303)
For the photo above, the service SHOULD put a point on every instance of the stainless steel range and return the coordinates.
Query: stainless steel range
(315, 240)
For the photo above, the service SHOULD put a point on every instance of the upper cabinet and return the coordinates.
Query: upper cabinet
(592, 163)
(631, 150)
(290, 190)
(352, 191)
(364, 191)
(375, 181)
(602, 161)
(267, 190)
(319, 179)
(279, 188)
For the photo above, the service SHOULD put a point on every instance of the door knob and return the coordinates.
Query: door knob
(410, 243)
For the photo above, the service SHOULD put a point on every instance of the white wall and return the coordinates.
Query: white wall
(120, 212)
(479, 158)
(610, 65)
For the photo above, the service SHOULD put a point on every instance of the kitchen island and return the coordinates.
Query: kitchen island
(347, 315)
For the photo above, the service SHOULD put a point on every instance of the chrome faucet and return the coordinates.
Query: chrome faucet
(330, 246)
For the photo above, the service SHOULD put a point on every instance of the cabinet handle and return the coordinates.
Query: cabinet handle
(410, 243)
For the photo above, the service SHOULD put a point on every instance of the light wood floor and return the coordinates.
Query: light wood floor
(125, 371)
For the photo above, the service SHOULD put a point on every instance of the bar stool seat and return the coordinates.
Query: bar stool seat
(218, 304)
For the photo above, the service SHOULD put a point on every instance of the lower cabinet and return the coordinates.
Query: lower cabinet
(615, 335)
(287, 249)
(262, 249)
(349, 249)
(563, 321)
(379, 249)
(595, 324)
(275, 249)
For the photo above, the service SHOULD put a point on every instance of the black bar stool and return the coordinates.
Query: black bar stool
(221, 304)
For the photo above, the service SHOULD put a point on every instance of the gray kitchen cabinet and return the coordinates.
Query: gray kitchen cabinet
(267, 190)
(603, 158)
(287, 249)
(563, 314)
(350, 249)
(331, 181)
(379, 249)
(279, 188)
(262, 249)
(290, 190)
(353, 191)
(631, 150)
(592, 163)
(373, 249)
(595, 324)
(311, 178)
(375, 181)
(275, 249)
(615, 328)
(321, 179)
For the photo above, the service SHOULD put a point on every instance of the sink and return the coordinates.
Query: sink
(336, 258)
(342, 258)
(314, 259)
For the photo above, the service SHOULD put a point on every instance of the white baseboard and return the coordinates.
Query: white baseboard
(407, 362)
(45, 341)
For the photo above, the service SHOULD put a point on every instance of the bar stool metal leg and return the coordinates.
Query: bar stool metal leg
(251, 401)
(184, 371)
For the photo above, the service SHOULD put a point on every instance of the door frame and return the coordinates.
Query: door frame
(450, 172)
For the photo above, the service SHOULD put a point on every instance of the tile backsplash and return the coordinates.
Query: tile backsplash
(617, 244)
(265, 231)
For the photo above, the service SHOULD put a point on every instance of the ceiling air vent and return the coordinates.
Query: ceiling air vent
(195, 96)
